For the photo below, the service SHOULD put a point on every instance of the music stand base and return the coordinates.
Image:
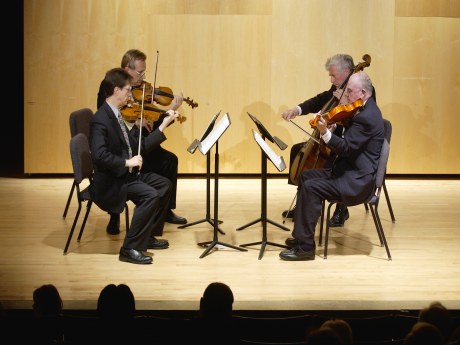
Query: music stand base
(211, 244)
(264, 244)
(209, 220)
(262, 220)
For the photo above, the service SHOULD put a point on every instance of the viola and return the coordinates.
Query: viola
(132, 111)
(162, 95)
(339, 113)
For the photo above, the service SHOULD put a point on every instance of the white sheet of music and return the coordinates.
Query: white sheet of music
(217, 131)
(278, 161)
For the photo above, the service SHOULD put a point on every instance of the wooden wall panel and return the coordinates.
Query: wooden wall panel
(438, 8)
(236, 56)
(305, 35)
(426, 96)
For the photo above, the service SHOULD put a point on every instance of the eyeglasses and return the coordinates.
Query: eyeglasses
(348, 90)
(128, 88)
(141, 74)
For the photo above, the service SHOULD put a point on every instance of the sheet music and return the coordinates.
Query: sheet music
(215, 134)
(278, 161)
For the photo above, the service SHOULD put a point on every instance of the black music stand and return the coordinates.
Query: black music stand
(204, 146)
(267, 152)
(192, 148)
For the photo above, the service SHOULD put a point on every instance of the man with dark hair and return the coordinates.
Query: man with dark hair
(118, 176)
(158, 160)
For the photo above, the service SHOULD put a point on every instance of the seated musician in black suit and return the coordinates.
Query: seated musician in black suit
(339, 67)
(118, 176)
(352, 176)
(159, 160)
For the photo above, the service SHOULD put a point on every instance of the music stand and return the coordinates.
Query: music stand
(192, 148)
(212, 139)
(267, 152)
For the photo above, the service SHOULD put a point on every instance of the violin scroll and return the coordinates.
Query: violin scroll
(364, 64)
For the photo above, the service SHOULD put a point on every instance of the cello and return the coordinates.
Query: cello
(314, 153)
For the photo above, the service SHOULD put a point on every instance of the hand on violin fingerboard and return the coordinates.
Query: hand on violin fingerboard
(171, 116)
(321, 124)
(177, 101)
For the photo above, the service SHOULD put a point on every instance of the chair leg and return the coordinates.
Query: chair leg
(321, 225)
(73, 228)
(69, 199)
(388, 202)
(366, 207)
(290, 207)
(379, 228)
(88, 208)
(127, 217)
(326, 238)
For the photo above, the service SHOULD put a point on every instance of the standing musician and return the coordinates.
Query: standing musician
(118, 177)
(339, 68)
(159, 160)
(352, 175)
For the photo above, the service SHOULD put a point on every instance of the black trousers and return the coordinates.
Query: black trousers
(151, 193)
(164, 163)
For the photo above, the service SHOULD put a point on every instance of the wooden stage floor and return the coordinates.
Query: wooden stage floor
(424, 243)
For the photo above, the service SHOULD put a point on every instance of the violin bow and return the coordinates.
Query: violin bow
(141, 124)
(303, 130)
(155, 77)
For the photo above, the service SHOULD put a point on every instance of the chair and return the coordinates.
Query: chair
(83, 169)
(388, 130)
(80, 121)
(372, 202)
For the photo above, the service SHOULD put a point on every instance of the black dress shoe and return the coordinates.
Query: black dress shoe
(134, 256)
(173, 218)
(292, 242)
(288, 213)
(340, 216)
(297, 254)
(155, 243)
(113, 228)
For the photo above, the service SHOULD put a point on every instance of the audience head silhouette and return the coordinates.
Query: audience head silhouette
(454, 338)
(424, 333)
(437, 315)
(47, 301)
(323, 336)
(217, 301)
(115, 302)
(342, 328)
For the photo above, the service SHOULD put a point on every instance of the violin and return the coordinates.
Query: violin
(132, 111)
(339, 113)
(162, 95)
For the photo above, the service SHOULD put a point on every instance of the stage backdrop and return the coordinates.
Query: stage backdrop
(240, 56)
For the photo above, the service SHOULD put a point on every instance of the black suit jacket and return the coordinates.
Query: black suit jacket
(109, 153)
(358, 154)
